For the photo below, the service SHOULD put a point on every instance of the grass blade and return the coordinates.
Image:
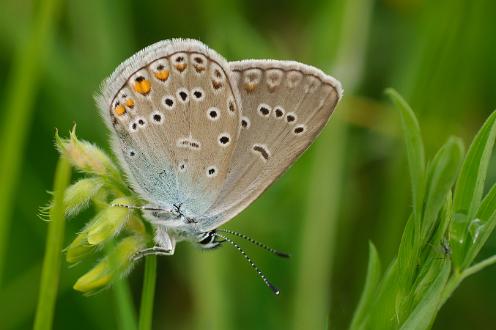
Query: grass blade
(424, 313)
(482, 226)
(414, 147)
(148, 293)
(470, 186)
(373, 277)
(20, 98)
(442, 174)
(53, 251)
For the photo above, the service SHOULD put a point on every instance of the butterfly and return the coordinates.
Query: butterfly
(200, 138)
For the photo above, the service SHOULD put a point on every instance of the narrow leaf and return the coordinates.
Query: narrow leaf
(482, 226)
(470, 186)
(424, 313)
(369, 290)
(442, 175)
(415, 150)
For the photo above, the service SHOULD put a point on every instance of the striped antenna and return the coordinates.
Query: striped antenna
(262, 276)
(257, 243)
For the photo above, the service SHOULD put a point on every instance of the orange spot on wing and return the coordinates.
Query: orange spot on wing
(143, 86)
(180, 67)
(162, 75)
(120, 110)
(130, 103)
(250, 87)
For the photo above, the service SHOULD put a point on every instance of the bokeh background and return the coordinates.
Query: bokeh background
(349, 188)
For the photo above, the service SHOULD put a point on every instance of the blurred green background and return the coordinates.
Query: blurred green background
(350, 187)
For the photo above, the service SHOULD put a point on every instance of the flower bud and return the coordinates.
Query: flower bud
(86, 156)
(136, 226)
(78, 195)
(79, 249)
(115, 264)
(109, 221)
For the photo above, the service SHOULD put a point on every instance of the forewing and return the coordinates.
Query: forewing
(284, 107)
(175, 115)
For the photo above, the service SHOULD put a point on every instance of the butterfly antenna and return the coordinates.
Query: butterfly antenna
(257, 243)
(262, 276)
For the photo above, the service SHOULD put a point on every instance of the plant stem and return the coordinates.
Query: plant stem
(20, 95)
(51, 263)
(479, 266)
(457, 278)
(126, 318)
(148, 293)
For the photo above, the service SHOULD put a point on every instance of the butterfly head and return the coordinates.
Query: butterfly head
(208, 240)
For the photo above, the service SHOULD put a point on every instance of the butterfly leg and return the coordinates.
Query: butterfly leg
(143, 208)
(156, 250)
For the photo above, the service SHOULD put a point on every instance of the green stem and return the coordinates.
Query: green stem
(21, 90)
(51, 263)
(457, 278)
(148, 293)
(126, 318)
(479, 266)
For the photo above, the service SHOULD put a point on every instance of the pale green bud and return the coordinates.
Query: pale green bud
(79, 248)
(86, 156)
(109, 221)
(78, 195)
(114, 265)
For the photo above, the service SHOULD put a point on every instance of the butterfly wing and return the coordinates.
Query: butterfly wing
(285, 105)
(175, 114)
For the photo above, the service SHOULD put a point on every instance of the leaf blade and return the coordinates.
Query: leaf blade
(371, 282)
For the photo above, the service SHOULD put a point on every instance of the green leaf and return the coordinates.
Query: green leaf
(148, 293)
(482, 226)
(51, 263)
(369, 290)
(424, 313)
(470, 186)
(415, 151)
(442, 174)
